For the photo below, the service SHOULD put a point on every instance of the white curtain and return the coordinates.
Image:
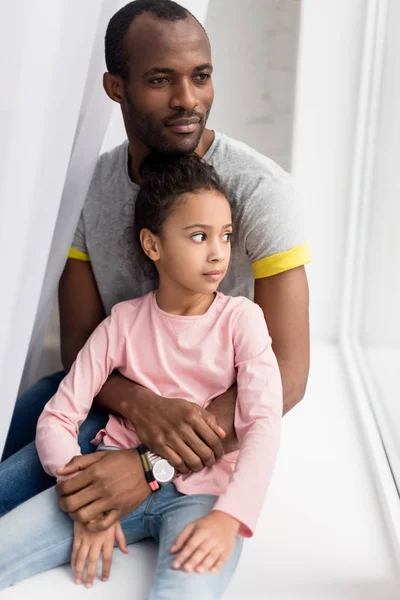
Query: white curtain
(54, 116)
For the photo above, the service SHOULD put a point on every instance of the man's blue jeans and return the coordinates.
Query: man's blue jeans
(21, 474)
(44, 536)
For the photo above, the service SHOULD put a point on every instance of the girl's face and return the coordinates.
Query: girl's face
(193, 249)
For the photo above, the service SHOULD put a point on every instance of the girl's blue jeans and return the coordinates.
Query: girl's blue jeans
(37, 536)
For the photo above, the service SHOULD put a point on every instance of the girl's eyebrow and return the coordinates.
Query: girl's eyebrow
(203, 226)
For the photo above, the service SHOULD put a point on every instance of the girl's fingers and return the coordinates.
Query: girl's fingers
(93, 559)
(208, 561)
(189, 548)
(80, 562)
(196, 557)
(182, 538)
(120, 538)
(219, 563)
(107, 554)
(75, 550)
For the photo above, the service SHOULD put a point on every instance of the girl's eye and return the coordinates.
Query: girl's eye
(227, 237)
(199, 237)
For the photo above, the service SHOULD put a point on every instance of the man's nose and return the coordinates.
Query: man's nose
(184, 95)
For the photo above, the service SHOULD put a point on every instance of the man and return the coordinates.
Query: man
(160, 72)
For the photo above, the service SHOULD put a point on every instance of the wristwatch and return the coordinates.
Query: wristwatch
(163, 472)
(156, 469)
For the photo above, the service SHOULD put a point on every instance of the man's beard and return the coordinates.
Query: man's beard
(153, 135)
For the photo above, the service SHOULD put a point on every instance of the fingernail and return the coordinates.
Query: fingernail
(188, 567)
(176, 565)
(89, 585)
(105, 579)
(200, 570)
(78, 581)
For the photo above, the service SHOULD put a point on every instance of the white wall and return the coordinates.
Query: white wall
(330, 49)
(254, 51)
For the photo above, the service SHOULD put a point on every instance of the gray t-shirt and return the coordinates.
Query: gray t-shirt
(268, 235)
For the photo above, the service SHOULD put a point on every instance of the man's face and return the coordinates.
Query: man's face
(169, 92)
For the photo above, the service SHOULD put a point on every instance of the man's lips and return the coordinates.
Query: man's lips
(184, 125)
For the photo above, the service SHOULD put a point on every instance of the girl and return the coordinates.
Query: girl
(185, 340)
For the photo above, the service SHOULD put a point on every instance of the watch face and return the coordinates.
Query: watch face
(163, 471)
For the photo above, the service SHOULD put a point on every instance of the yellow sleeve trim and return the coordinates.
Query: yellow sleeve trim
(78, 254)
(284, 261)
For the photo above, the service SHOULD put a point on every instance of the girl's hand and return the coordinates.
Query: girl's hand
(206, 544)
(87, 549)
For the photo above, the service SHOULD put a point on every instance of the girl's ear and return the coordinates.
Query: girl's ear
(150, 244)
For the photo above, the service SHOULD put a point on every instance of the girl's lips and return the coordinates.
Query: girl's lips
(213, 275)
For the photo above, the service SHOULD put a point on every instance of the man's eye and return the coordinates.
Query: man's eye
(199, 237)
(227, 237)
(202, 76)
(158, 80)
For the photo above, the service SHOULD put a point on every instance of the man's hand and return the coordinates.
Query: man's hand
(109, 486)
(223, 408)
(187, 436)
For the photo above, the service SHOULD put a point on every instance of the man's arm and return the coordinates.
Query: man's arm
(80, 306)
(284, 300)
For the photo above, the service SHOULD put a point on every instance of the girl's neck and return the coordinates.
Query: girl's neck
(183, 302)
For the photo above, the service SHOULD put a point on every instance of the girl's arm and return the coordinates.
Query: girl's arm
(257, 418)
(58, 425)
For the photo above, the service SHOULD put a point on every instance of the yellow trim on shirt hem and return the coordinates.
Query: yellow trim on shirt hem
(283, 261)
(78, 254)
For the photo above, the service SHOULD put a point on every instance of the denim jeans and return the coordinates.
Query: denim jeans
(38, 536)
(21, 474)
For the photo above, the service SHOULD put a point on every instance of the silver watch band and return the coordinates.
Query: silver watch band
(163, 472)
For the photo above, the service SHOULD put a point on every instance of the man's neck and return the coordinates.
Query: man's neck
(138, 151)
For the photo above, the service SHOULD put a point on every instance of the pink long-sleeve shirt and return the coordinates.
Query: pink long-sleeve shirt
(192, 357)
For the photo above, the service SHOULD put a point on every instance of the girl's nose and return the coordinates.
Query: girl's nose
(216, 253)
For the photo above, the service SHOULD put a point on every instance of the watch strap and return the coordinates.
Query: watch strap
(148, 468)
